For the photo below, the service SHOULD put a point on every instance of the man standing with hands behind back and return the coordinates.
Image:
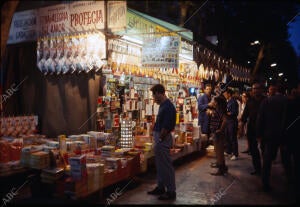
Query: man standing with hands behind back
(203, 118)
(164, 124)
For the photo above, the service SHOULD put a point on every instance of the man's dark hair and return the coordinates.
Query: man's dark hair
(228, 90)
(158, 88)
(221, 102)
(258, 84)
(208, 85)
(280, 87)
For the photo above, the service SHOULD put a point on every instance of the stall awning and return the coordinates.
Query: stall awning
(183, 32)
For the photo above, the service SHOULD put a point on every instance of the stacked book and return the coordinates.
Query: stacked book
(50, 175)
(26, 154)
(39, 160)
(76, 188)
(78, 167)
(107, 150)
(112, 163)
(95, 172)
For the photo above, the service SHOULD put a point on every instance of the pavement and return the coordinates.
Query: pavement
(195, 185)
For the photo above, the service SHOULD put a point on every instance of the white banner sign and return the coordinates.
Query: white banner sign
(116, 11)
(53, 20)
(86, 16)
(23, 27)
(68, 18)
(161, 52)
(79, 16)
(186, 50)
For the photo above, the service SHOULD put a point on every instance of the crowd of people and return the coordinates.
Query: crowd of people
(269, 119)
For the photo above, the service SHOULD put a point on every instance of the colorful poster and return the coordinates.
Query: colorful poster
(161, 52)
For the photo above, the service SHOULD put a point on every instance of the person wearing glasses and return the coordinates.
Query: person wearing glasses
(164, 124)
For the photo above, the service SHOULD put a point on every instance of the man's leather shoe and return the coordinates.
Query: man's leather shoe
(156, 191)
(218, 173)
(168, 196)
(255, 172)
(214, 165)
(221, 171)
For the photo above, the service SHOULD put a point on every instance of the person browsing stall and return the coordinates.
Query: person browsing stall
(203, 118)
(232, 124)
(217, 127)
(164, 124)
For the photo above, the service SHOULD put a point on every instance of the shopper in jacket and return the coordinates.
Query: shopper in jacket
(270, 130)
(165, 123)
(249, 115)
(291, 141)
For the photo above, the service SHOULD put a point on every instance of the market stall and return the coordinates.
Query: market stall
(90, 88)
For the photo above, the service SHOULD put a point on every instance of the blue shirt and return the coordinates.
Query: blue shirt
(203, 119)
(166, 117)
(233, 108)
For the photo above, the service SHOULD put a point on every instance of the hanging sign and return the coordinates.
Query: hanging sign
(23, 27)
(79, 16)
(86, 16)
(53, 20)
(186, 50)
(116, 15)
(161, 52)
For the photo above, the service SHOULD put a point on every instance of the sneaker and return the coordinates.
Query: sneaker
(168, 196)
(234, 157)
(156, 191)
(226, 154)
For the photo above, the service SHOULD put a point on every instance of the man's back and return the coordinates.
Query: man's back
(250, 113)
(271, 117)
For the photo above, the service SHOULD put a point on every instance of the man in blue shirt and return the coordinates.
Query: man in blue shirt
(165, 123)
(203, 118)
(232, 124)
